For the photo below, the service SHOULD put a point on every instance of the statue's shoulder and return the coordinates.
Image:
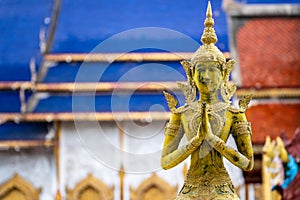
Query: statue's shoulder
(243, 105)
(173, 102)
(234, 110)
(182, 109)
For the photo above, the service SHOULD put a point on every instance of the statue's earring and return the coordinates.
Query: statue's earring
(192, 84)
(227, 88)
(193, 90)
(189, 89)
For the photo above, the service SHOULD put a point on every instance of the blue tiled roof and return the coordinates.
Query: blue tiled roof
(20, 25)
(82, 26)
(21, 131)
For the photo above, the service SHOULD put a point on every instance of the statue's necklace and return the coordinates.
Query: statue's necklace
(216, 112)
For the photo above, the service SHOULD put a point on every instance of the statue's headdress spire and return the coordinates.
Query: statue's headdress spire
(208, 51)
(209, 36)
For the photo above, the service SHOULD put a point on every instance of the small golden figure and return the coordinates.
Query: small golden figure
(207, 123)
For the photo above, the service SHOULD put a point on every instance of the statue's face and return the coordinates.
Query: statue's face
(207, 76)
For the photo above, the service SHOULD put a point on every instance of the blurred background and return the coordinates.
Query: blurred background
(82, 112)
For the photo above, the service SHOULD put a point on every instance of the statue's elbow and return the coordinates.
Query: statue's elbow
(164, 164)
(250, 165)
(248, 168)
(165, 167)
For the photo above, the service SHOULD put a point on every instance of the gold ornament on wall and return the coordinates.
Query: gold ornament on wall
(90, 188)
(18, 188)
(153, 188)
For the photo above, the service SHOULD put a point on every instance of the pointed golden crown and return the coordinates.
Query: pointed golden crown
(208, 51)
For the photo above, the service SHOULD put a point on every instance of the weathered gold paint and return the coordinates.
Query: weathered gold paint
(207, 123)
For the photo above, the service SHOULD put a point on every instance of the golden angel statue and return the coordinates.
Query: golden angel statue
(207, 123)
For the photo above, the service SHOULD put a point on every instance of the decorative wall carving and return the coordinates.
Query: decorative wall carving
(153, 188)
(18, 188)
(90, 188)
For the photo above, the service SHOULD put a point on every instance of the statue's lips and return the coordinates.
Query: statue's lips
(206, 82)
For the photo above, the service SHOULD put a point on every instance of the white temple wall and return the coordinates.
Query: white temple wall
(96, 148)
(36, 166)
(79, 153)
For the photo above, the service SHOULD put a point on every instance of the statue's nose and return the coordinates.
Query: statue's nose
(205, 76)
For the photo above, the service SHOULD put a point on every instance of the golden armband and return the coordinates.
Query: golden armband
(241, 128)
(171, 129)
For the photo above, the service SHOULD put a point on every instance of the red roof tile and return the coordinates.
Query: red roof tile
(269, 52)
(272, 119)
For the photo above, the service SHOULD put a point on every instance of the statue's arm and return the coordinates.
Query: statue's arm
(243, 158)
(241, 131)
(172, 155)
